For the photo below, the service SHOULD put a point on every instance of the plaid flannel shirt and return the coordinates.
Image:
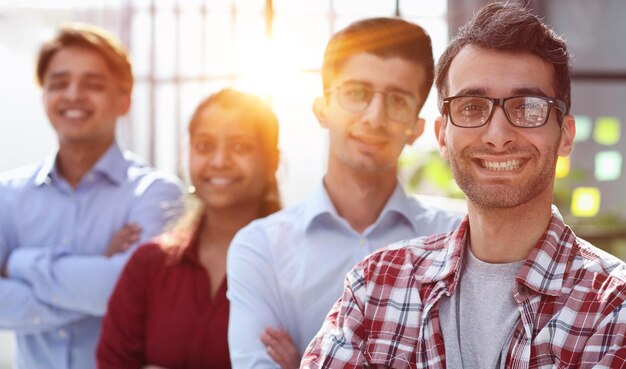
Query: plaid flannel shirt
(570, 294)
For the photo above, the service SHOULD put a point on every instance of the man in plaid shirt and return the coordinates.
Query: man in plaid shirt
(512, 287)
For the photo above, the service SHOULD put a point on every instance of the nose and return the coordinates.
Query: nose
(73, 91)
(375, 113)
(498, 132)
(221, 157)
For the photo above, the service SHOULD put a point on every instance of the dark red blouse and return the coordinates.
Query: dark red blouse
(161, 313)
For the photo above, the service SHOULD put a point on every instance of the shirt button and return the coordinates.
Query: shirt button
(36, 320)
(62, 333)
(66, 241)
(522, 289)
(362, 241)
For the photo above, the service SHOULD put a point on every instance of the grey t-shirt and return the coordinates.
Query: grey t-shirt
(478, 319)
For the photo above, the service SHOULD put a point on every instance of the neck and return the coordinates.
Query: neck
(359, 197)
(506, 235)
(220, 225)
(75, 160)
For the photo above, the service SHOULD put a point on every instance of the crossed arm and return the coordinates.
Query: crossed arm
(49, 289)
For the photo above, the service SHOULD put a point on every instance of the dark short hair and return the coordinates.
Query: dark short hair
(92, 38)
(383, 37)
(249, 108)
(513, 28)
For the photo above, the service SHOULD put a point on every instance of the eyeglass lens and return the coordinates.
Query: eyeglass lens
(399, 106)
(522, 111)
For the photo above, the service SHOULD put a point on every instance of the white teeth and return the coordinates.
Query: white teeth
(502, 166)
(221, 181)
(74, 113)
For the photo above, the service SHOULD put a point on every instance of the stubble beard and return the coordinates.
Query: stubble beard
(504, 194)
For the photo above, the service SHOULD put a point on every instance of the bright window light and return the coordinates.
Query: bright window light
(585, 201)
(608, 165)
(562, 167)
(607, 131)
(583, 128)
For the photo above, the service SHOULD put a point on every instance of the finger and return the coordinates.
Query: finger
(275, 355)
(283, 341)
(273, 346)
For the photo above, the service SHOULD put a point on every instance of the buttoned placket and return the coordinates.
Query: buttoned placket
(527, 302)
(423, 361)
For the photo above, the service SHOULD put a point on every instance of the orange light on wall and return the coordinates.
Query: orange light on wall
(585, 202)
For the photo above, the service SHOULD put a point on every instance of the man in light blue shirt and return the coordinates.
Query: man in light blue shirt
(286, 271)
(68, 224)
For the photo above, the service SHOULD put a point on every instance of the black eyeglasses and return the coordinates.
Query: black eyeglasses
(521, 111)
(356, 96)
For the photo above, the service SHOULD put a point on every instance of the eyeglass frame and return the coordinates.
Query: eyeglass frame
(552, 102)
(384, 93)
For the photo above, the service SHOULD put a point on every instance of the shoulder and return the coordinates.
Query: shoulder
(424, 256)
(275, 237)
(144, 175)
(599, 269)
(275, 226)
(16, 179)
(147, 256)
(434, 214)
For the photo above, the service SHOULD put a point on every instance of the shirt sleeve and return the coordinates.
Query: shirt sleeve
(83, 283)
(254, 298)
(123, 337)
(340, 341)
(22, 313)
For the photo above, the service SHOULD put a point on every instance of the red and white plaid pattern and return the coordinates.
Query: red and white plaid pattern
(571, 296)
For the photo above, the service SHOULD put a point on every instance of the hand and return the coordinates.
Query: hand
(281, 348)
(4, 273)
(123, 239)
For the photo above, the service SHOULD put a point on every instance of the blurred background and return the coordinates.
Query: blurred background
(183, 50)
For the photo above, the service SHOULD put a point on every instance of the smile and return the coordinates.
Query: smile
(75, 113)
(370, 139)
(221, 181)
(502, 166)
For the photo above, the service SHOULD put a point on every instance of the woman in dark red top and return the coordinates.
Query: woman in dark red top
(169, 308)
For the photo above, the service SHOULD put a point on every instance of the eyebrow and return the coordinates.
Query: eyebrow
(88, 75)
(391, 88)
(515, 92)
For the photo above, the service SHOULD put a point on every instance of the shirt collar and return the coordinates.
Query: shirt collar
(548, 262)
(320, 204)
(112, 165)
(446, 263)
(543, 271)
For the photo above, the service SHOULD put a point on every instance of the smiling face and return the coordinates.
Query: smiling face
(82, 97)
(226, 160)
(499, 165)
(367, 141)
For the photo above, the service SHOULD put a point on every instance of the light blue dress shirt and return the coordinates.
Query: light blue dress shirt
(287, 270)
(53, 236)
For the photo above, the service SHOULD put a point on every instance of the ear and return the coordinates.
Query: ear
(414, 132)
(440, 133)
(568, 132)
(320, 109)
(123, 104)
